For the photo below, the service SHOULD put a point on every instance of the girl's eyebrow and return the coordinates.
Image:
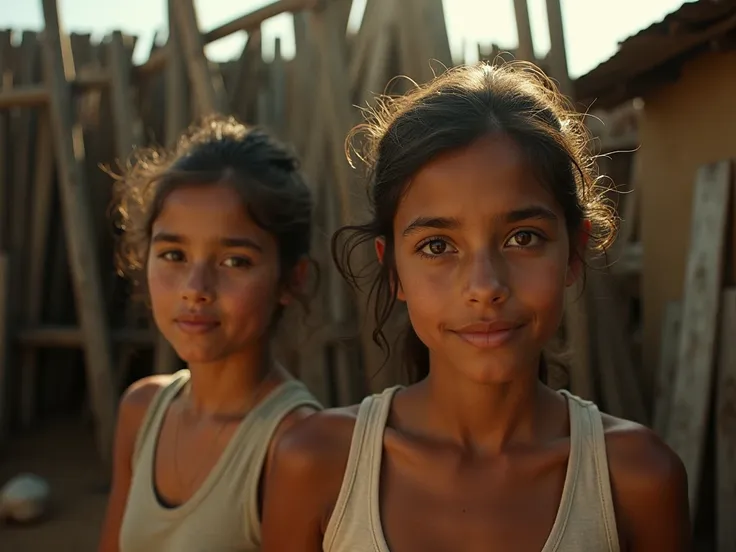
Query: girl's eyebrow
(166, 237)
(452, 223)
(245, 243)
(242, 242)
(438, 223)
(528, 213)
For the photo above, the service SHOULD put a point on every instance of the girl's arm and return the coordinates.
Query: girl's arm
(650, 491)
(132, 410)
(304, 480)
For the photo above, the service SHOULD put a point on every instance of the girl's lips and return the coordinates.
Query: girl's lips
(194, 326)
(488, 335)
(488, 340)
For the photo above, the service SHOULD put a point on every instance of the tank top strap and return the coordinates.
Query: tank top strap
(591, 498)
(362, 469)
(156, 411)
(256, 434)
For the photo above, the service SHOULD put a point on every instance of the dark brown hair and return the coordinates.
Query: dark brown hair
(452, 111)
(216, 151)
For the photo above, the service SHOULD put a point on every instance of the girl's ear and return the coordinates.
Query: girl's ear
(296, 282)
(578, 246)
(380, 245)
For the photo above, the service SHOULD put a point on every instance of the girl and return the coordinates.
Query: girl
(220, 228)
(483, 203)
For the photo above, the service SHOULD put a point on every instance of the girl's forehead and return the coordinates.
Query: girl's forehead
(206, 211)
(488, 178)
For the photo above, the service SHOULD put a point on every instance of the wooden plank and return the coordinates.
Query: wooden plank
(557, 57)
(525, 49)
(324, 31)
(373, 50)
(40, 219)
(277, 82)
(128, 135)
(165, 360)
(616, 369)
(5, 84)
(4, 373)
(701, 300)
(19, 219)
(33, 95)
(578, 341)
(127, 128)
(667, 370)
(207, 84)
(248, 23)
(78, 229)
(176, 87)
(726, 427)
(254, 19)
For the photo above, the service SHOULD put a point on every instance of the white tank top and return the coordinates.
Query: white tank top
(222, 515)
(585, 520)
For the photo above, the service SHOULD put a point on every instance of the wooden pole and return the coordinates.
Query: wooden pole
(59, 69)
(208, 86)
(165, 360)
(557, 52)
(525, 50)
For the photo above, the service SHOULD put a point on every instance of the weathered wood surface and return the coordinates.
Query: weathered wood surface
(691, 399)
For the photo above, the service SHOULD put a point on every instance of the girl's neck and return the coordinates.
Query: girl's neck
(231, 386)
(488, 418)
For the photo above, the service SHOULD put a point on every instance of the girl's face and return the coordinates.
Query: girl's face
(483, 258)
(213, 274)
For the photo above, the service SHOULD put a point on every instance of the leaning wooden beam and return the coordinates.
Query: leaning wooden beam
(254, 19)
(207, 84)
(687, 428)
(78, 230)
(248, 23)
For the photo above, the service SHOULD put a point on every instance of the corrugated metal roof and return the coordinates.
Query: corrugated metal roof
(662, 45)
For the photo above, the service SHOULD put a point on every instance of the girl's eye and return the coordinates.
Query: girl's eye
(435, 247)
(523, 239)
(237, 262)
(173, 256)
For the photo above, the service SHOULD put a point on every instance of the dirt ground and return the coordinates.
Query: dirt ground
(64, 454)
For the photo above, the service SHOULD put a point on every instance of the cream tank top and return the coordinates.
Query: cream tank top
(222, 515)
(585, 520)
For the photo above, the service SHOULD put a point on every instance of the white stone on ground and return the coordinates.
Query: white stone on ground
(24, 498)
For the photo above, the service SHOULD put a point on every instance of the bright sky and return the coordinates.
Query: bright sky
(593, 27)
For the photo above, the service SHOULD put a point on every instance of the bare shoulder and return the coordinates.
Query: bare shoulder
(140, 394)
(134, 404)
(637, 455)
(308, 464)
(304, 482)
(649, 484)
(313, 441)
